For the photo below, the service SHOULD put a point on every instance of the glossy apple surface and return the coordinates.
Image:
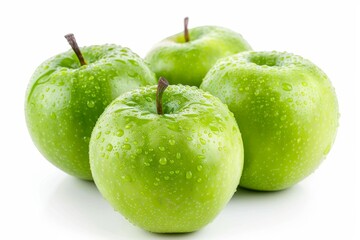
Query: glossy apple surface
(172, 172)
(64, 100)
(287, 112)
(188, 62)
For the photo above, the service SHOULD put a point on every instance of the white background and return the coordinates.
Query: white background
(38, 201)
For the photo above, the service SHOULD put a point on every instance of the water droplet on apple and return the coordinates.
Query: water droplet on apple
(174, 127)
(234, 129)
(163, 161)
(282, 118)
(126, 178)
(199, 167)
(304, 84)
(86, 139)
(327, 149)
(124, 50)
(200, 157)
(162, 149)
(126, 146)
(214, 128)
(166, 178)
(257, 92)
(202, 141)
(177, 171)
(133, 62)
(133, 74)
(128, 126)
(120, 133)
(189, 138)
(90, 103)
(120, 61)
(286, 86)
(109, 147)
(98, 135)
(172, 142)
(199, 180)
(53, 115)
(178, 155)
(188, 175)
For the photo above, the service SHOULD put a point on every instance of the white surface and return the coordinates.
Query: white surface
(38, 201)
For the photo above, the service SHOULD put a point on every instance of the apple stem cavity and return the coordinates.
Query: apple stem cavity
(72, 41)
(162, 85)
(186, 30)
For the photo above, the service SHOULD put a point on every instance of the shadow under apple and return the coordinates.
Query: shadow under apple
(78, 205)
(253, 211)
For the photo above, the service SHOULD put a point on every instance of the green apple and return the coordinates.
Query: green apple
(287, 112)
(186, 57)
(68, 92)
(169, 168)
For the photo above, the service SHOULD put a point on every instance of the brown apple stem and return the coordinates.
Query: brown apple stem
(186, 30)
(72, 41)
(162, 85)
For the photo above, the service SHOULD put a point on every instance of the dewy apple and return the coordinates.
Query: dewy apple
(170, 166)
(186, 57)
(68, 92)
(286, 109)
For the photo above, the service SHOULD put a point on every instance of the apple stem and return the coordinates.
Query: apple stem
(72, 41)
(186, 30)
(162, 85)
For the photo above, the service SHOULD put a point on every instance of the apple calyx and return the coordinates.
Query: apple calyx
(162, 85)
(72, 41)
(186, 30)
